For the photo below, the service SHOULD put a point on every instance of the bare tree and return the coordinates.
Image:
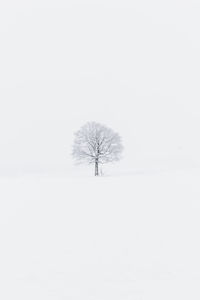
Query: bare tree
(96, 144)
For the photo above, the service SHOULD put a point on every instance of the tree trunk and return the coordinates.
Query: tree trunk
(96, 168)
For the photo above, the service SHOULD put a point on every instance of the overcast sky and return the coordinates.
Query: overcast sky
(132, 65)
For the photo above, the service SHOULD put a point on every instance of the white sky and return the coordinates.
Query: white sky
(132, 65)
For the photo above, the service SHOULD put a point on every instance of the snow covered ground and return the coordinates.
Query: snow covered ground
(120, 238)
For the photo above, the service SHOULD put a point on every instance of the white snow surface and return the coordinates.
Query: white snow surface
(126, 237)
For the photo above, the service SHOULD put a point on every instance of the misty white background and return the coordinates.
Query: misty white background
(132, 65)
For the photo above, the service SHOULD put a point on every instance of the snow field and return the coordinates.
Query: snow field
(132, 237)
